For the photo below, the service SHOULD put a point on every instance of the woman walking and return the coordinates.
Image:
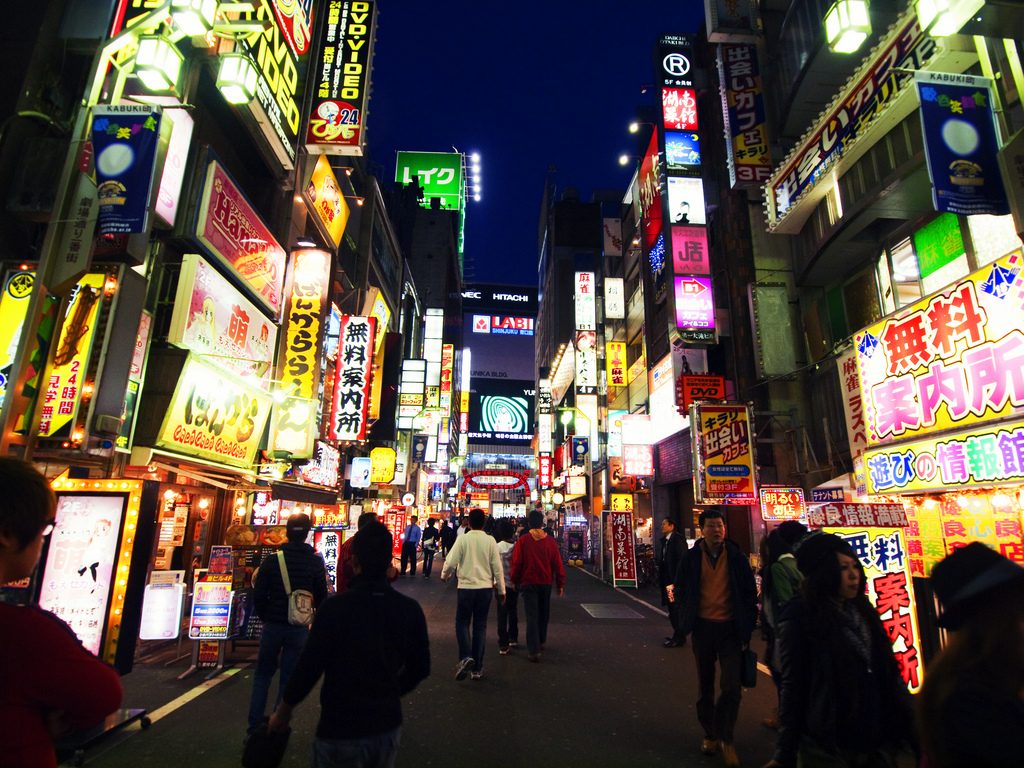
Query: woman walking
(508, 616)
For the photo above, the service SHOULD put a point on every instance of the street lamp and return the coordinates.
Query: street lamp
(847, 25)
(941, 18)
(158, 63)
(634, 127)
(194, 17)
(236, 78)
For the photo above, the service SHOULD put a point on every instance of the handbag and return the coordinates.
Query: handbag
(748, 668)
(265, 749)
(300, 601)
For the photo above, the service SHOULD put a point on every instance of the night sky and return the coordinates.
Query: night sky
(528, 86)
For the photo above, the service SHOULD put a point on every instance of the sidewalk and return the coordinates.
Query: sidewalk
(606, 694)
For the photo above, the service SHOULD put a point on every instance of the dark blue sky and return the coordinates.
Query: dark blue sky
(527, 85)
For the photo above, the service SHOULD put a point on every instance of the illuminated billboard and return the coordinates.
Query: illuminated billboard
(679, 109)
(502, 411)
(746, 126)
(682, 150)
(503, 325)
(690, 251)
(439, 175)
(686, 200)
(695, 305)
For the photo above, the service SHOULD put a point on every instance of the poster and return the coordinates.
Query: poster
(125, 139)
(161, 611)
(211, 608)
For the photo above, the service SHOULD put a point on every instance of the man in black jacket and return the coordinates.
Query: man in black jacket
(370, 645)
(719, 606)
(278, 638)
(671, 549)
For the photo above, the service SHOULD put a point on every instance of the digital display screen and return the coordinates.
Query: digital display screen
(502, 411)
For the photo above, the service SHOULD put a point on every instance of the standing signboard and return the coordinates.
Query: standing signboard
(623, 550)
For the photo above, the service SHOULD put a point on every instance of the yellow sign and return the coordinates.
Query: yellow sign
(615, 360)
(382, 465)
(378, 308)
(323, 194)
(65, 372)
(950, 361)
(723, 444)
(622, 502)
(13, 309)
(214, 415)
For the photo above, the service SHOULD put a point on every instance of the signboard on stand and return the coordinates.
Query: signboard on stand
(211, 608)
(623, 550)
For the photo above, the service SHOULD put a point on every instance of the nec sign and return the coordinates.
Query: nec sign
(479, 296)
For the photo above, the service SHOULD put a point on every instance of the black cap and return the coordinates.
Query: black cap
(299, 522)
(964, 579)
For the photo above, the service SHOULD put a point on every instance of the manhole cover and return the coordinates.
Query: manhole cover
(610, 611)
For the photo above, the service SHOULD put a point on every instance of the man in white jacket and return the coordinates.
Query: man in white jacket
(475, 559)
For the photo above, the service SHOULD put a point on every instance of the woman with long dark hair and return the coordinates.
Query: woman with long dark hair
(842, 701)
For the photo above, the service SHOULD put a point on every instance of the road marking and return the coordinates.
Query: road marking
(185, 698)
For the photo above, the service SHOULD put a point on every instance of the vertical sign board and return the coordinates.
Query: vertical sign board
(615, 360)
(695, 308)
(17, 290)
(340, 73)
(352, 378)
(586, 305)
(623, 550)
(125, 140)
(690, 250)
(748, 153)
(324, 197)
(961, 143)
(614, 298)
(723, 444)
(853, 405)
(296, 417)
(586, 360)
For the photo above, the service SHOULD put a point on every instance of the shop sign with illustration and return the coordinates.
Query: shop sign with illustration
(623, 550)
(954, 359)
(125, 139)
(214, 415)
(235, 235)
(724, 448)
(352, 378)
(17, 291)
(66, 369)
(779, 503)
(296, 416)
(212, 318)
(324, 197)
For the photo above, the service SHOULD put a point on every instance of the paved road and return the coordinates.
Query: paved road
(607, 694)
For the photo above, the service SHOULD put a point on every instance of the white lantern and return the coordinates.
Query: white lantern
(236, 78)
(194, 17)
(847, 25)
(158, 63)
(941, 18)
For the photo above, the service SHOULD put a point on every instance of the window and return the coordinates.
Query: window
(904, 273)
(992, 237)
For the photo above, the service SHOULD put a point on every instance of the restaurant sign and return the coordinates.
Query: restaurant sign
(954, 359)
(623, 550)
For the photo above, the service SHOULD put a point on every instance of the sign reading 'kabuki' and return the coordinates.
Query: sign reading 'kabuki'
(352, 378)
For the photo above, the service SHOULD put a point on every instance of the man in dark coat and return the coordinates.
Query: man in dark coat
(671, 548)
(719, 606)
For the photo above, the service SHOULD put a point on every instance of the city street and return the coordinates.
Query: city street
(606, 694)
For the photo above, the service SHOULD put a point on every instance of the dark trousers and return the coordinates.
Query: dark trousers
(673, 614)
(409, 556)
(508, 618)
(472, 606)
(717, 641)
(428, 560)
(537, 607)
(276, 640)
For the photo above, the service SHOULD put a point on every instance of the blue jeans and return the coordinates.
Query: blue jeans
(537, 607)
(473, 604)
(377, 751)
(282, 640)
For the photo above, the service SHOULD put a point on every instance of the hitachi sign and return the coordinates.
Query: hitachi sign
(509, 297)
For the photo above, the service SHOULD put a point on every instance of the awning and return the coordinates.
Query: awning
(304, 493)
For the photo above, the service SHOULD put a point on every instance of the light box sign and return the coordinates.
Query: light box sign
(978, 457)
(125, 139)
(623, 550)
(586, 305)
(649, 192)
(779, 503)
(746, 127)
(503, 325)
(637, 460)
(679, 109)
(67, 365)
(883, 553)
(853, 404)
(682, 150)
(168, 196)
(695, 304)
(686, 200)
(296, 418)
(352, 378)
(324, 468)
(544, 470)
(502, 411)
(447, 372)
(323, 196)
(615, 359)
(211, 609)
(233, 232)
(951, 360)
(961, 143)
(586, 359)
(340, 73)
(846, 514)
(214, 415)
(723, 444)
(212, 318)
(690, 251)
(295, 17)
(692, 388)
(439, 175)
(382, 465)
(13, 310)
(614, 298)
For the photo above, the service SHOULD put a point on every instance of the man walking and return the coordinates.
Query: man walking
(475, 559)
(719, 608)
(410, 543)
(370, 645)
(431, 537)
(672, 547)
(282, 642)
(536, 563)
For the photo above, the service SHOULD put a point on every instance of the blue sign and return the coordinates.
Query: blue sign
(831, 493)
(961, 144)
(124, 139)
(682, 149)
(580, 449)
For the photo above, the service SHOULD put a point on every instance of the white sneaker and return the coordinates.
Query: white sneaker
(462, 668)
(476, 675)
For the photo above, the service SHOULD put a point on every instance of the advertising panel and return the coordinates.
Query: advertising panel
(503, 325)
(67, 366)
(679, 109)
(883, 553)
(692, 388)
(211, 608)
(586, 304)
(731, 20)
(586, 359)
(324, 197)
(623, 550)
(503, 345)
(447, 372)
(637, 460)
(382, 465)
(615, 359)
(650, 193)
(168, 195)
(77, 230)
(296, 417)
(17, 291)
(501, 411)
(125, 140)
(352, 378)
(686, 200)
(853, 405)
(612, 236)
(324, 468)
(953, 359)
(748, 153)
(234, 234)
(340, 73)
(161, 611)
(214, 415)
(439, 175)
(212, 318)
(841, 513)
(695, 303)
(614, 298)
(723, 444)
(779, 503)
(682, 150)
(295, 17)
(690, 251)
(961, 144)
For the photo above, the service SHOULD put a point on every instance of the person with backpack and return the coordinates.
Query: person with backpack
(289, 585)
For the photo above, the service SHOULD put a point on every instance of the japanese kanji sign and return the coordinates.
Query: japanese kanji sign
(623, 550)
(852, 515)
(853, 405)
(637, 461)
(323, 195)
(352, 378)
(692, 388)
(586, 307)
(747, 150)
(724, 448)
(778, 503)
(951, 360)
(883, 553)
(615, 360)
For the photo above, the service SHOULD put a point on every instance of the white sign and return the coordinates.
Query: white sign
(408, 499)
(161, 611)
(586, 306)
(614, 298)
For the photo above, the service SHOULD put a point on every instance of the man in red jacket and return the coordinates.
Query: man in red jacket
(536, 563)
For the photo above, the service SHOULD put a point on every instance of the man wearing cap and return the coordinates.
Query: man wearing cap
(278, 638)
